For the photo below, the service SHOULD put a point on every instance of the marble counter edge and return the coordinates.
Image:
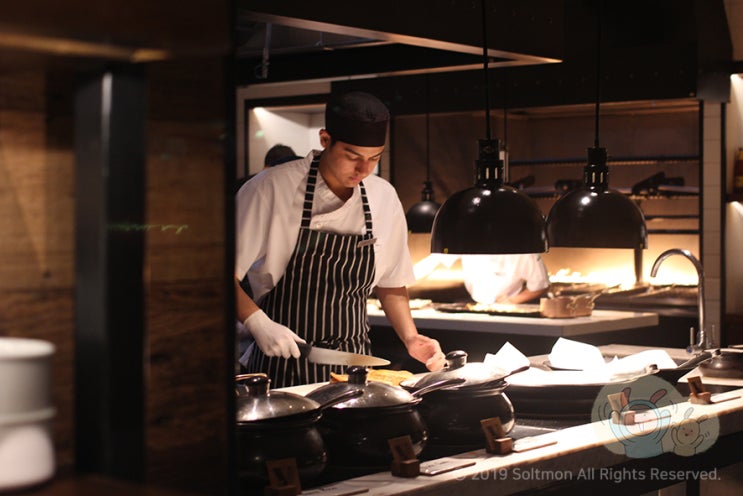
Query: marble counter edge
(600, 321)
(566, 458)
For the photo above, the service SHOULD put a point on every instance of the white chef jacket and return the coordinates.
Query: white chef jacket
(488, 277)
(269, 214)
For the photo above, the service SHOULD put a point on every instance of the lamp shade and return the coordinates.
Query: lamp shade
(420, 216)
(489, 218)
(594, 216)
(596, 219)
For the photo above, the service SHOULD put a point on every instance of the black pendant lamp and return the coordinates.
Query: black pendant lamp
(490, 217)
(420, 216)
(593, 216)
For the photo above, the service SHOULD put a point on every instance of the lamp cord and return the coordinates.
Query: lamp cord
(428, 132)
(598, 72)
(485, 68)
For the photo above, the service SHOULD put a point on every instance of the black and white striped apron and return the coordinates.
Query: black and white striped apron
(322, 296)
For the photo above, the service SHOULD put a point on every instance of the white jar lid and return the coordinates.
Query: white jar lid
(20, 348)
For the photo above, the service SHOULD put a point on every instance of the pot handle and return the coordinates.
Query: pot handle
(501, 381)
(454, 381)
(696, 360)
(347, 395)
(240, 378)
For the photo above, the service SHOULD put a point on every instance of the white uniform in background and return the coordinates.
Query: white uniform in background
(492, 278)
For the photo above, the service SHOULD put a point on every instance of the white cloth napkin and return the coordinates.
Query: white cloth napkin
(574, 355)
(568, 354)
(508, 358)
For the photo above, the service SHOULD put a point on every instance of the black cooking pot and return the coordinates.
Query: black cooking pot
(275, 425)
(356, 431)
(453, 413)
(724, 363)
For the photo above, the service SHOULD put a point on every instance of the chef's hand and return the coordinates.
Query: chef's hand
(273, 339)
(426, 350)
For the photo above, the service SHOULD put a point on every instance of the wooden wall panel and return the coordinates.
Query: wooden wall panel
(186, 445)
(185, 212)
(36, 246)
(188, 374)
(48, 315)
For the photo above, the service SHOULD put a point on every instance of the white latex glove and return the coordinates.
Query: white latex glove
(273, 339)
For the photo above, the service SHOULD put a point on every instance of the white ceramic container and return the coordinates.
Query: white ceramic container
(25, 375)
(26, 413)
(26, 450)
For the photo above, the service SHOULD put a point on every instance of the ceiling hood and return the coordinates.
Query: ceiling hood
(664, 49)
(289, 41)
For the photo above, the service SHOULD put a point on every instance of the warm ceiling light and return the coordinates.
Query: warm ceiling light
(490, 217)
(594, 216)
(77, 48)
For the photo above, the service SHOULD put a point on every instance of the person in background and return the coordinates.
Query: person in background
(276, 155)
(505, 278)
(314, 238)
(279, 154)
(492, 279)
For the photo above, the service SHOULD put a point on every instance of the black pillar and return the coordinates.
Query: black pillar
(110, 119)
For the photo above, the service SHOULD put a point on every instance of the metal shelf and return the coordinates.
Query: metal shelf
(621, 161)
(656, 196)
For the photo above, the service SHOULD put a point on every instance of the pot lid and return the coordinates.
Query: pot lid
(375, 394)
(474, 374)
(256, 403)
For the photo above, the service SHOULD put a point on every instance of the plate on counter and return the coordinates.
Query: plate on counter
(506, 310)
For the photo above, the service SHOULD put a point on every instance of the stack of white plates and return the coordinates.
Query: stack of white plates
(26, 413)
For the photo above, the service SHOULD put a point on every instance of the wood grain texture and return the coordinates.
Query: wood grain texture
(187, 372)
(186, 421)
(36, 246)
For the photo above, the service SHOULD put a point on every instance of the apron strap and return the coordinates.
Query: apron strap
(309, 193)
(309, 196)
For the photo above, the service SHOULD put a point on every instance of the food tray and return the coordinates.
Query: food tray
(522, 310)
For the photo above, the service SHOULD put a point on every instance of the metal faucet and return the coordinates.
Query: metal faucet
(701, 342)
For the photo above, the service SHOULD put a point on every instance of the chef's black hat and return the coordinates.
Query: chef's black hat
(357, 118)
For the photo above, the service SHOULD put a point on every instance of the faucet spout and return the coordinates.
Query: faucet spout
(702, 341)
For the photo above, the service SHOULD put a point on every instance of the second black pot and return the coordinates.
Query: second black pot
(357, 432)
(453, 413)
(453, 417)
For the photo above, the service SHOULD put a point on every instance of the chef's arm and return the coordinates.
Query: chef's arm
(272, 338)
(245, 304)
(527, 295)
(396, 305)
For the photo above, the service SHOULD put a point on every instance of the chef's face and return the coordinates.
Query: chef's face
(343, 165)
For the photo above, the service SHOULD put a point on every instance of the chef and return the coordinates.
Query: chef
(505, 278)
(492, 279)
(314, 238)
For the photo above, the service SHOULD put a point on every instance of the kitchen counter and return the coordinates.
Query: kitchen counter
(583, 459)
(598, 321)
(482, 333)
